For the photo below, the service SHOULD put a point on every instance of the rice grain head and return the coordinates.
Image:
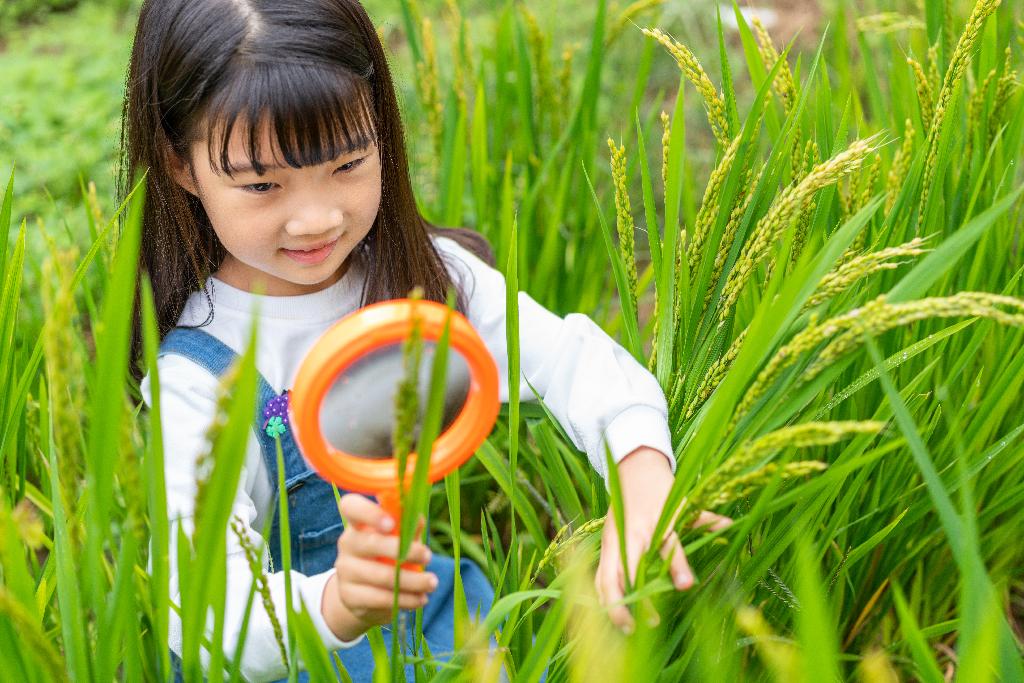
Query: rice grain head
(863, 266)
(710, 205)
(784, 84)
(407, 394)
(65, 362)
(259, 577)
(925, 96)
(1005, 90)
(779, 654)
(714, 376)
(784, 209)
(975, 112)
(539, 43)
(729, 235)
(429, 86)
(624, 215)
(745, 485)
(888, 22)
(954, 75)
(631, 12)
(694, 72)
(806, 435)
(846, 332)
(900, 166)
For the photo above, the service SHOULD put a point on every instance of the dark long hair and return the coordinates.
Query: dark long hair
(315, 72)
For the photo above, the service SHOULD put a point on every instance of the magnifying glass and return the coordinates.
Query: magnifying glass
(342, 404)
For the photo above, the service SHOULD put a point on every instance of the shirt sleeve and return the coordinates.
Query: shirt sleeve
(595, 388)
(188, 401)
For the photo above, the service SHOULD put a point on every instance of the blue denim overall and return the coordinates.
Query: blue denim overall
(315, 524)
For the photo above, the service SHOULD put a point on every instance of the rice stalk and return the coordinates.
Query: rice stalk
(806, 161)
(626, 17)
(1006, 88)
(784, 84)
(779, 654)
(925, 95)
(863, 266)
(65, 373)
(803, 227)
(563, 541)
(205, 461)
(880, 316)
(33, 640)
(746, 484)
(934, 78)
(710, 205)
(804, 435)
(954, 75)
(688, 63)
(666, 140)
(676, 395)
(130, 478)
(750, 467)
(565, 78)
(900, 166)
(888, 22)
(729, 234)
(778, 588)
(460, 57)
(407, 394)
(975, 110)
(867, 188)
(96, 213)
(624, 215)
(252, 557)
(428, 83)
(714, 376)
(539, 43)
(846, 332)
(784, 210)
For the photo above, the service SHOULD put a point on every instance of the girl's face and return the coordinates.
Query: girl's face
(291, 230)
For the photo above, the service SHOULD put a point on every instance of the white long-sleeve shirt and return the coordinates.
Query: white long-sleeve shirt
(594, 387)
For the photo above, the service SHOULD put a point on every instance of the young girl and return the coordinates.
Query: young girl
(276, 164)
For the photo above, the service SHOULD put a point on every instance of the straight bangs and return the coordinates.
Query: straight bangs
(315, 113)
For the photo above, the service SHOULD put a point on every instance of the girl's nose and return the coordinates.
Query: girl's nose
(315, 222)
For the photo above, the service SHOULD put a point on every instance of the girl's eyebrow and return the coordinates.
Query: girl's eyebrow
(247, 167)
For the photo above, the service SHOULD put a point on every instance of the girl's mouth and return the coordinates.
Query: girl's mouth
(313, 256)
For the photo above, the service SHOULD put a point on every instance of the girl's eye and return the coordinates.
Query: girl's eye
(344, 168)
(259, 188)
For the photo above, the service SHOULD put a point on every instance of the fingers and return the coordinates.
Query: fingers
(609, 580)
(672, 551)
(712, 521)
(362, 598)
(361, 511)
(371, 572)
(372, 545)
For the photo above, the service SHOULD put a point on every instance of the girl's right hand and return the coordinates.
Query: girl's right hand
(360, 594)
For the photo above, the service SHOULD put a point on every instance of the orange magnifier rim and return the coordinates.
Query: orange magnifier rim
(362, 332)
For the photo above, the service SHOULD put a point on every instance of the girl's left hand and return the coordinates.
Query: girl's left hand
(646, 478)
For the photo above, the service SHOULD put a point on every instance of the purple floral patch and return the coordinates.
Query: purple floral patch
(275, 416)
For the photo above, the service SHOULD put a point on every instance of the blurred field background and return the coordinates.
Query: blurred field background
(63, 64)
(818, 255)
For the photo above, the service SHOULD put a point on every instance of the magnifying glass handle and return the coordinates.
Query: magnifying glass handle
(394, 509)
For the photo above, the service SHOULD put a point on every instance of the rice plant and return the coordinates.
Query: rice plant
(833, 306)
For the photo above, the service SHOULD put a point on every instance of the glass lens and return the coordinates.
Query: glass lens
(357, 415)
